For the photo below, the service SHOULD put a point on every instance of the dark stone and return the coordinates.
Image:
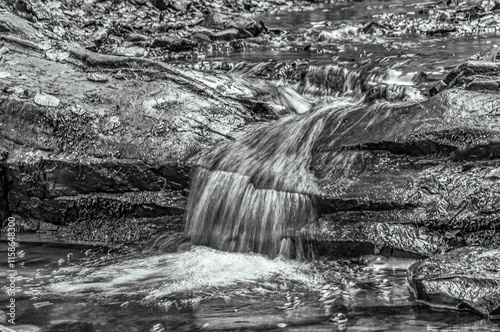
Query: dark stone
(252, 27)
(439, 87)
(474, 75)
(462, 279)
(373, 28)
(160, 4)
(174, 44)
(481, 85)
(442, 31)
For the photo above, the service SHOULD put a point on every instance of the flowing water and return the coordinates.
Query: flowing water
(207, 289)
(245, 269)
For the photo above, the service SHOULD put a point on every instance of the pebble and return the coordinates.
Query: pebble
(157, 328)
(339, 318)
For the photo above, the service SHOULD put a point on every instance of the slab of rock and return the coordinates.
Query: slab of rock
(480, 74)
(462, 279)
(406, 176)
(113, 152)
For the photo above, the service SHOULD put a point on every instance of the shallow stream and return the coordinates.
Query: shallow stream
(207, 289)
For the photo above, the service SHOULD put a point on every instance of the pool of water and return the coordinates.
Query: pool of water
(206, 289)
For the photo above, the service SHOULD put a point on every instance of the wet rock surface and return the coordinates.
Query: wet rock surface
(83, 143)
(462, 279)
(420, 177)
(481, 73)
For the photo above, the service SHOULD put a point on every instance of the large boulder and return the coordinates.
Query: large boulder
(462, 279)
(85, 144)
(416, 177)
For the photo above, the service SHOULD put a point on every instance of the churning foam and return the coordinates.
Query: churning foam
(157, 277)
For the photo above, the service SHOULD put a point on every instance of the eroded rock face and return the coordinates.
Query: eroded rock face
(420, 177)
(115, 148)
(462, 279)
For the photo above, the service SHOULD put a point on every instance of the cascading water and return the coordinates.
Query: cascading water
(251, 195)
(368, 83)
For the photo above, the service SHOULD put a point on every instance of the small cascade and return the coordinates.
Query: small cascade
(275, 70)
(251, 194)
(345, 33)
(365, 84)
(231, 214)
(335, 80)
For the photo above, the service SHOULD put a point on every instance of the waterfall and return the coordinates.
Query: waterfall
(254, 193)
(251, 194)
(366, 84)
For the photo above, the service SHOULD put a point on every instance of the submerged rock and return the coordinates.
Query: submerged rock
(462, 279)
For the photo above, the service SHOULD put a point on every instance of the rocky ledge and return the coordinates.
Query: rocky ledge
(462, 279)
(100, 143)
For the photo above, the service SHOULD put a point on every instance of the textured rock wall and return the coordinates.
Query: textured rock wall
(113, 149)
(421, 177)
(462, 279)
